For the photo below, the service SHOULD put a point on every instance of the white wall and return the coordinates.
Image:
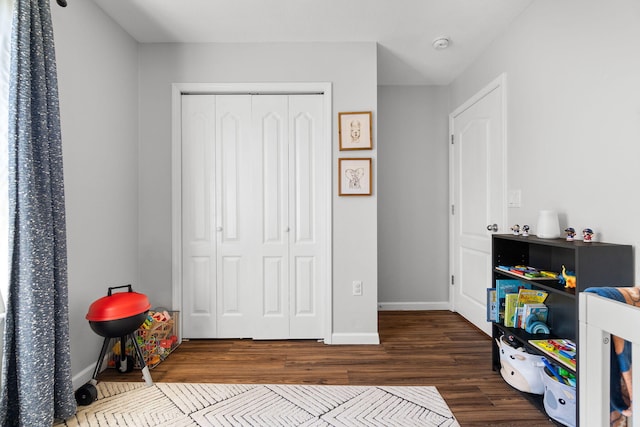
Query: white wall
(98, 88)
(350, 67)
(573, 85)
(413, 215)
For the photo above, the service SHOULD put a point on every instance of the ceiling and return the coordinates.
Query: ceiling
(403, 29)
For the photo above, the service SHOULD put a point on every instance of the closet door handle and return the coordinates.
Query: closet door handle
(287, 229)
(218, 228)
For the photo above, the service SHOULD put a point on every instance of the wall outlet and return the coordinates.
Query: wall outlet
(357, 288)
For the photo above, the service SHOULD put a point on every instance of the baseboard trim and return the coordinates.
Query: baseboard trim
(86, 375)
(83, 377)
(391, 306)
(355, 338)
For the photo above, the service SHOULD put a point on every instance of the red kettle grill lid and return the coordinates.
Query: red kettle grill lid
(118, 306)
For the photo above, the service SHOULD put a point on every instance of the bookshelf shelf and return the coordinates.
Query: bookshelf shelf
(546, 283)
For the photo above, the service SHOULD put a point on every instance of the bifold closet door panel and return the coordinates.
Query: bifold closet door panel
(308, 226)
(270, 132)
(236, 191)
(198, 217)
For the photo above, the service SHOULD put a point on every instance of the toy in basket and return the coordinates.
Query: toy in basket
(156, 337)
(559, 397)
(521, 370)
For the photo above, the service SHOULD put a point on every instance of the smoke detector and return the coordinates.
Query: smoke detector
(441, 43)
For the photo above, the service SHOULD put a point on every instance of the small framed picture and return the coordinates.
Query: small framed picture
(355, 131)
(354, 177)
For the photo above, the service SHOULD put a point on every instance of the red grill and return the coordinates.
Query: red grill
(117, 315)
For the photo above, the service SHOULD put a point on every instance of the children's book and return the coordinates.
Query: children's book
(504, 287)
(527, 296)
(491, 304)
(540, 310)
(510, 301)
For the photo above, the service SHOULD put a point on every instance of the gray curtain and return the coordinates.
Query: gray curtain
(36, 366)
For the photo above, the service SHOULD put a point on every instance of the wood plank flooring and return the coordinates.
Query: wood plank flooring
(436, 348)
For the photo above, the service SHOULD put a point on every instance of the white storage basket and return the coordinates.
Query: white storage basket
(521, 370)
(559, 400)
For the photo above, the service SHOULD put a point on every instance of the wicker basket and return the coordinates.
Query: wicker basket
(157, 338)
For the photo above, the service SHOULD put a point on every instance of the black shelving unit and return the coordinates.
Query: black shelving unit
(595, 264)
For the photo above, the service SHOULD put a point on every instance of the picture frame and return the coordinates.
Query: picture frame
(354, 130)
(354, 176)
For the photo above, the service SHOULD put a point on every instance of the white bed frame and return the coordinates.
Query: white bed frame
(599, 318)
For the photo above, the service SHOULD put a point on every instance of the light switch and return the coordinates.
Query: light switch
(514, 198)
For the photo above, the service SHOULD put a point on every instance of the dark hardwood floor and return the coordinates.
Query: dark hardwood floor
(436, 348)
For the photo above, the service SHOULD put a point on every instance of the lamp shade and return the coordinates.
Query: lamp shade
(548, 225)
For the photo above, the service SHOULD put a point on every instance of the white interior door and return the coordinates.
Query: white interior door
(478, 198)
(254, 237)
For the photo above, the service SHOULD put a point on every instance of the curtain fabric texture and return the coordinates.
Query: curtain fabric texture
(36, 366)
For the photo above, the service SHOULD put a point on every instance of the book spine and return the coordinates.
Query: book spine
(491, 304)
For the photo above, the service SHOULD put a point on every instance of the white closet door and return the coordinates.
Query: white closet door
(253, 233)
(289, 131)
(198, 209)
(270, 130)
(237, 160)
(219, 231)
(308, 227)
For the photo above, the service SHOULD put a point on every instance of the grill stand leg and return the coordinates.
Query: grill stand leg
(145, 369)
(103, 353)
(123, 351)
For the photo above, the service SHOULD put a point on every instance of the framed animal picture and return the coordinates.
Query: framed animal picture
(355, 176)
(355, 131)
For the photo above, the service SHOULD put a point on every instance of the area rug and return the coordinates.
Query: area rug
(181, 405)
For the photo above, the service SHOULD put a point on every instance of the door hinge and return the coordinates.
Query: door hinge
(451, 138)
(453, 209)
(452, 280)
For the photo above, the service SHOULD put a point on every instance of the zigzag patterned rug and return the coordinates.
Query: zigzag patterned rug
(182, 405)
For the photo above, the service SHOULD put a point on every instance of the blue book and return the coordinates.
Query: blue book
(504, 287)
(491, 304)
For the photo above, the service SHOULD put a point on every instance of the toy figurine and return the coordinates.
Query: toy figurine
(516, 230)
(525, 231)
(587, 235)
(569, 278)
(571, 233)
